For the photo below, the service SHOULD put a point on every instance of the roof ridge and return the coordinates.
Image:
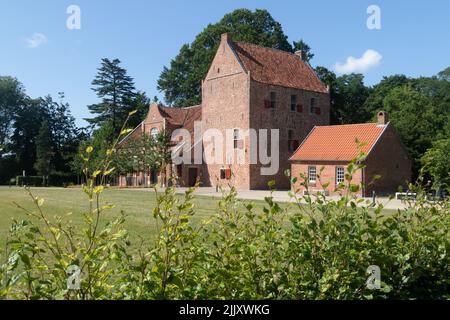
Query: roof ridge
(261, 46)
(348, 124)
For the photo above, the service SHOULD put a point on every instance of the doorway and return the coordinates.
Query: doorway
(193, 174)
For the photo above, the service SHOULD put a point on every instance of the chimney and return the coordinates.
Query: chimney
(301, 54)
(226, 37)
(383, 118)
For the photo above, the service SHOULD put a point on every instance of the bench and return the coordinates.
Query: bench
(405, 195)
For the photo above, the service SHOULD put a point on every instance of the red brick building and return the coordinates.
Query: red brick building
(327, 151)
(247, 87)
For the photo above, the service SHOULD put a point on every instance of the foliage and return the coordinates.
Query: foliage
(414, 117)
(145, 152)
(314, 248)
(350, 95)
(12, 96)
(181, 81)
(43, 150)
(116, 89)
(303, 46)
(436, 163)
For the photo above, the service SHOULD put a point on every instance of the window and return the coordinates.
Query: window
(153, 132)
(292, 143)
(273, 100)
(236, 137)
(339, 175)
(290, 134)
(312, 106)
(225, 173)
(312, 174)
(293, 102)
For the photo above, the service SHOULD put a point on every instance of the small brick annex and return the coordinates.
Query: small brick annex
(324, 155)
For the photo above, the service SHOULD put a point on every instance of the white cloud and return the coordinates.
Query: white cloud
(36, 40)
(369, 59)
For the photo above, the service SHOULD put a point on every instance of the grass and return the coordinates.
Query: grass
(137, 205)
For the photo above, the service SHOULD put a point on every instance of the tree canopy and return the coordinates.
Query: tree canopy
(181, 81)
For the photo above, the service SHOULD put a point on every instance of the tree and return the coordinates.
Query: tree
(43, 151)
(12, 97)
(350, 93)
(444, 74)
(303, 46)
(181, 81)
(116, 90)
(436, 163)
(374, 101)
(411, 113)
(146, 152)
(26, 124)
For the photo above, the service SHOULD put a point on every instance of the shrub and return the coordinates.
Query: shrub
(313, 248)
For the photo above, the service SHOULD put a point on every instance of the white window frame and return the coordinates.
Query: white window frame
(340, 175)
(236, 137)
(312, 177)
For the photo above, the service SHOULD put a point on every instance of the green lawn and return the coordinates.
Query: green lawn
(58, 201)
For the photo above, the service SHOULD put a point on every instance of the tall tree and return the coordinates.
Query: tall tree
(411, 113)
(181, 81)
(444, 74)
(375, 100)
(350, 95)
(436, 163)
(116, 90)
(43, 150)
(26, 125)
(12, 98)
(303, 46)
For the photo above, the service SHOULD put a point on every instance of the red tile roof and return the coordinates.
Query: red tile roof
(338, 143)
(182, 117)
(273, 66)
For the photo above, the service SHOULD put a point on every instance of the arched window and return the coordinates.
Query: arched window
(153, 132)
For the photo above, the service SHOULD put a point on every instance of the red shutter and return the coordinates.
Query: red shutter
(228, 174)
(318, 111)
(299, 108)
(267, 104)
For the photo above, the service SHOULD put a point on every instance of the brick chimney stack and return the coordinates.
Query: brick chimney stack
(301, 54)
(226, 37)
(383, 118)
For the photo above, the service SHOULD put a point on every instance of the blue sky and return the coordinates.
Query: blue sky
(145, 35)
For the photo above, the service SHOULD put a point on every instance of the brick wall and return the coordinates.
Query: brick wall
(327, 175)
(225, 103)
(390, 160)
(282, 118)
